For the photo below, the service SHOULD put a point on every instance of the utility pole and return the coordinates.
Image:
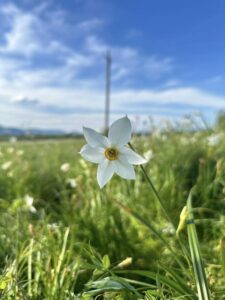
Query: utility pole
(107, 88)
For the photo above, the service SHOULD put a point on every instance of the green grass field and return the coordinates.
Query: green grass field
(76, 241)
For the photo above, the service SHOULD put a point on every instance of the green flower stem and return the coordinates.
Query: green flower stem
(155, 191)
(169, 219)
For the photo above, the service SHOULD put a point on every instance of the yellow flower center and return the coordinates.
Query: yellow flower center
(111, 153)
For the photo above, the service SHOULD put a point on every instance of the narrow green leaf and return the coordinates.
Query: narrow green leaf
(223, 255)
(165, 280)
(199, 271)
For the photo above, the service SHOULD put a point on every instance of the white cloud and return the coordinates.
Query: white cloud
(156, 67)
(23, 36)
(95, 45)
(133, 102)
(128, 61)
(31, 34)
(40, 70)
(76, 59)
(34, 32)
(183, 96)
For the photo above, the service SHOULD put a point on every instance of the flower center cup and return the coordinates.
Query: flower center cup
(111, 153)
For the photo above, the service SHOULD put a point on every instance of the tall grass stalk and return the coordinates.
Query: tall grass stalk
(199, 271)
(223, 255)
(60, 260)
(29, 275)
(37, 273)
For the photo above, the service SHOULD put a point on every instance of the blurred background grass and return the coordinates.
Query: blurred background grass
(56, 224)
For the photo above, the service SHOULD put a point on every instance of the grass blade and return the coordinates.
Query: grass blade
(153, 230)
(223, 255)
(170, 283)
(199, 271)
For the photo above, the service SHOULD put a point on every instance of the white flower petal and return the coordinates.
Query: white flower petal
(33, 209)
(120, 132)
(29, 200)
(105, 172)
(124, 169)
(131, 156)
(94, 138)
(91, 154)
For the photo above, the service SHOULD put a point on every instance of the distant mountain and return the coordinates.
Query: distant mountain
(33, 131)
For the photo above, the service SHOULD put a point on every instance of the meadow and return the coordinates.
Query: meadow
(62, 237)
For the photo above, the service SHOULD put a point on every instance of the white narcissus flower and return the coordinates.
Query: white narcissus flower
(214, 139)
(71, 182)
(112, 154)
(65, 167)
(29, 203)
(148, 155)
(6, 165)
(20, 152)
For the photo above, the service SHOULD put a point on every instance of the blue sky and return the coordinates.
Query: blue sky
(168, 60)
